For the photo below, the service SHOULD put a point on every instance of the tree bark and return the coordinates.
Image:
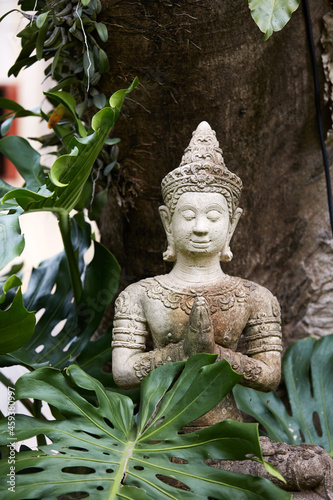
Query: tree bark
(207, 61)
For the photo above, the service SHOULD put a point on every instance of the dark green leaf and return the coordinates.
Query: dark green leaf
(40, 41)
(102, 31)
(115, 459)
(308, 371)
(103, 61)
(88, 63)
(9, 104)
(16, 325)
(22, 63)
(85, 196)
(55, 62)
(98, 205)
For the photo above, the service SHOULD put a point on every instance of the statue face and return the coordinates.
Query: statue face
(200, 223)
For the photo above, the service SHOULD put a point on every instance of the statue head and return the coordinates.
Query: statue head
(202, 170)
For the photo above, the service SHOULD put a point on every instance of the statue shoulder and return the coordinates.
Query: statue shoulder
(263, 302)
(130, 300)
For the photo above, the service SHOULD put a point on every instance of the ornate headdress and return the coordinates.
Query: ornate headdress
(202, 169)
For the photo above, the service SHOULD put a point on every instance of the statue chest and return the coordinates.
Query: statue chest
(167, 310)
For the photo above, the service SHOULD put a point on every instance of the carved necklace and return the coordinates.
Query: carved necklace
(221, 296)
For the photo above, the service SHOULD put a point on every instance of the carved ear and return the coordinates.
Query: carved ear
(170, 254)
(226, 254)
(233, 222)
(166, 218)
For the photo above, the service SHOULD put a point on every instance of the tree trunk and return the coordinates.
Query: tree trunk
(206, 60)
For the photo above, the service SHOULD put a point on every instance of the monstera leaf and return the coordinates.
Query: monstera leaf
(63, 329)
(16, 323)
(101, 449)
(308, 374)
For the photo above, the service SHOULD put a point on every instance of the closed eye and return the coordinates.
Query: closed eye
(188, 214)
(214, 215)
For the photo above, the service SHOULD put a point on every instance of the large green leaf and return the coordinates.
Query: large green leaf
(9, 104)
(16, 323)
(272, 15)
(11, 239)
(308, 374)
(25, 158)
(62, 329)
(98, 449)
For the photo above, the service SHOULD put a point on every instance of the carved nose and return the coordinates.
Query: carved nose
(200, 226)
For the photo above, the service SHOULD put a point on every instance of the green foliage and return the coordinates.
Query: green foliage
(63, 329)
(100, 447)
(308, 371)
(61, 190)
(16, 323)
(54, 29)
(272, 15)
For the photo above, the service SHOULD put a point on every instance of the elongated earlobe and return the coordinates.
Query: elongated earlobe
(170, 254)
(226, 254)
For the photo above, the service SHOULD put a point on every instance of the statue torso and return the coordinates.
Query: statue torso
(167, 308)
(160, 310)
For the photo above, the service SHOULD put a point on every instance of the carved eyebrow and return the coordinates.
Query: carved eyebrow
(218, 208)
(188, 207)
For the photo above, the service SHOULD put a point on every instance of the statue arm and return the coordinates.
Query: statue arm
(130, 362)
(261, 372)
(261, 365)
(129, 368)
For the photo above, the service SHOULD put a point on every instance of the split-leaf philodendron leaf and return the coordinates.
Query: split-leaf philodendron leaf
(100, 447)
(308, 373)
(16, 323)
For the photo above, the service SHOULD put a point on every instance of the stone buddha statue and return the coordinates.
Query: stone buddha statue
(197, 307)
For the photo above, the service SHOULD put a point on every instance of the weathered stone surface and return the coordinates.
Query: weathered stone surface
(306, 468)
(206, 61)
(196, 307)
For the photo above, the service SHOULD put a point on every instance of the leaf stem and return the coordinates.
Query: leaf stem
(65, 230)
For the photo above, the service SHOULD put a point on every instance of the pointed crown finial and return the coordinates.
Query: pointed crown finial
(202, 169)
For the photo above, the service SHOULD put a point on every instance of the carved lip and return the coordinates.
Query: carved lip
(200, 243)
